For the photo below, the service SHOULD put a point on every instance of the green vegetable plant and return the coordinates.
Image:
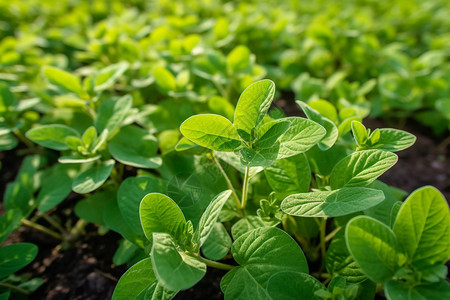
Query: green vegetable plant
(302, 216)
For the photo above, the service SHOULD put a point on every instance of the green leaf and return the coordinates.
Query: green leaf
(9, 221)
(325, 108)
(135, 147)
(238, 59)
(130, 194)
(394, 140)
(374, 247)
(174, 269)
(397, 290)
(16, 256)
(245, 225)
(108, 76)
(268, 133)
(63, 80)
(293, 286)
(18, 196)
(54, 190)
(137, 280)
(423, 227)
(218, 243)
(257, 264)
(211, 131)
(112, 113)
(361, 168)
(259, 158)
(164, 79)
(211, 214)
(51, 136)
(359, 133)
(252, 106)
(331, 203)
(91, 208)
(300, 137)
(339, 262)
(8, 142)
(7, 99)
(159, 213)
(93, 178)
(332, 132)
(289, 175)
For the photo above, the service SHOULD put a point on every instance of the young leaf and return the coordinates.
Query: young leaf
(268, 133)
(332, 132)
(130, 194)
(335, 203)
(63, 80)
(135, 147)
(16, 256)
(174, 269)
(257, 265)
(136, 281)
(293, 286)
(359, 133)
(289, 175)
(51, 136)
(93, 178)
(245, 225)
(300, 137)
(211, 131)
(374, 247)
(112, 113)
(159, 213)
(109, 75)
(252, 106)
(211, 214)
(218, 243)
(164, 79)
(361, 168)
(423, 227)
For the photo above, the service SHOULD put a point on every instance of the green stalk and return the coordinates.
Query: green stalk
(322, 227)
(215, 264)
(14, 288)
(24, 139)
(42, 229)
(52, 222)
(245, 187)
(230, 185)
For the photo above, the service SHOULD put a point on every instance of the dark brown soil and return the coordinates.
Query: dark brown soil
(85, 270)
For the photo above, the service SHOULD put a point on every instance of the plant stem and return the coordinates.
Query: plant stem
(52, 222)
(15, 288)
(42, 229)
(24, 139)
(230, 185)
(215, 264)
(322, 228)
(245, 187)
(332, 234)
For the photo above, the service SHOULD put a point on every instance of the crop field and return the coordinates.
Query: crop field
(200, 149)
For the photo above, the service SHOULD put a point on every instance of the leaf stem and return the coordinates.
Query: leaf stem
(245, 187)
(215, 264)
(52, 221)
(227, 179)
(24, 139)
(42, 229)
(15, 288)
(332, 234)
(322, 227)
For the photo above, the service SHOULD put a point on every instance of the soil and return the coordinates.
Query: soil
(85, 270)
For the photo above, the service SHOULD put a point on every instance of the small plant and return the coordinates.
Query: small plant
(311, 221)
